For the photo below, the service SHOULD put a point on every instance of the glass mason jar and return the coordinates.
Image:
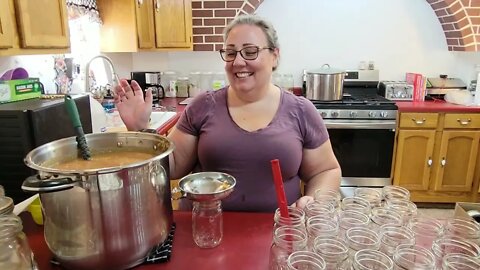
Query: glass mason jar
(381, 216)
(453, 245)
(350, 219)
(407, 209)
(465, 228)
(207, 223)
(373, 196)
(328, 196)
(6, 205)
(426, 230)
(460, 262)
(301, 260)
(395, 192)
(391, 236)
(319, 226)
(296, 218)
(407, 257)
(316, 208)
(361, 238)
(15, 252)
(333, 251)
(356, 204)
(286, 240)
(367, 259)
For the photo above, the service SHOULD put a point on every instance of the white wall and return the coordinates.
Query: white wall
(399, 36)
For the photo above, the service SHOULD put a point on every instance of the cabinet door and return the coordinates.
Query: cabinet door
(173, 23)
(145, 24)
(42, 23)
(413, 159)
(6, 25)
(457, 160)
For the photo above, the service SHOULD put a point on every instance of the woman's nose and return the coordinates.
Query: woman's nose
(238, 60)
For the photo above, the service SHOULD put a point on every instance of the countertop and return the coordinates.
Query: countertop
(245, 245)
(435, 106)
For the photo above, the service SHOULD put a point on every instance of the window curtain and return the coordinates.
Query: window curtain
(79, 8)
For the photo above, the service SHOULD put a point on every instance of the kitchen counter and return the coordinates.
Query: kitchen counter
(434, 106)
(246, 244)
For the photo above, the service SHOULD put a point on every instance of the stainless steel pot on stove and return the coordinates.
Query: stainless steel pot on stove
(106, 218)
(325, 84)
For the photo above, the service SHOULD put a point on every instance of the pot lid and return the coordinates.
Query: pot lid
(326, 69)
(6, 205)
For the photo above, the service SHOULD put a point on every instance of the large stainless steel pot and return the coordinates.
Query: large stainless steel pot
(107, 218)
(325, 84)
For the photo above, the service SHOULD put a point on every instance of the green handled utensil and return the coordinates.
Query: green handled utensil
(77, 125)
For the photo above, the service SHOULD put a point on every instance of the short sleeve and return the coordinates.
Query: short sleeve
(196, 113)
(313, 128)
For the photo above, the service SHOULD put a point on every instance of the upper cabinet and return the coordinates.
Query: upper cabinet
(145, 25)
(33, 27)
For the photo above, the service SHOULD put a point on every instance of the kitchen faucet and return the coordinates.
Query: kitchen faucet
(115, 79)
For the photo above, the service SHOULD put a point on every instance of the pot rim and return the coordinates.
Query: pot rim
(326, 70)
(116, 135)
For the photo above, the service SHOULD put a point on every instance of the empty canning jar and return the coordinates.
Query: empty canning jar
(6, 205)
(356, 204)
(361, 238)
(367, 259)
(460, 262)
(318, 226)
(381, 216)
(302, 260)
(373, 196)
(395, 192)
(350, 219)
(286, 240)
(207, 223)
(328, 196)
(333, 251)
(407, 209)
(392, 236)
(426, 230)
(296, 218)
(465, 228)
(15, 253)
(316, 208)
(453, 245)
(407, 257)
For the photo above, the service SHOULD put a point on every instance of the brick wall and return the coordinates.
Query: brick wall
(460, 20)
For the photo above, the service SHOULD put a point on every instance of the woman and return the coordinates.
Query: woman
(239, 129)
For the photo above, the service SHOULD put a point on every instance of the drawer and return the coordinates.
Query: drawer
(462, 120)
(418, 120)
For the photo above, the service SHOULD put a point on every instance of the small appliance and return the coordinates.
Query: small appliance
(150, 80)
(395, 90)
(441, 85)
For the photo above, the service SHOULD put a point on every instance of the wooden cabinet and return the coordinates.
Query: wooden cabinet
(145, 25)
(33, 27)
(436, 156)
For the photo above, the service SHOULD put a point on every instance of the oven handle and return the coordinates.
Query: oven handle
(359, 124)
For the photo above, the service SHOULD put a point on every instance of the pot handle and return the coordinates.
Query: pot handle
(35, 184)
(178, 194)
(326, 65)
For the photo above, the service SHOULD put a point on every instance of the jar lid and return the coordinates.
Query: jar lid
(6, 205)
(326, 69)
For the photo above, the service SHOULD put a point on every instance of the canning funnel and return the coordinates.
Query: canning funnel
(77, 125)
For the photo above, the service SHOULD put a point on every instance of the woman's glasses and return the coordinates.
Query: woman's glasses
(248, 53)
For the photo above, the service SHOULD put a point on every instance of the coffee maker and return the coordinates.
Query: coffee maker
(150, 80)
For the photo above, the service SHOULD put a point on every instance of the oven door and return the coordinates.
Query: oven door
(364, 149)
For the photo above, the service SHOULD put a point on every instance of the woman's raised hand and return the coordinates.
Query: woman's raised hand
(133, 108)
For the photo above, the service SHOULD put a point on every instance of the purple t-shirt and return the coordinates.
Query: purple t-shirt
(225, 147)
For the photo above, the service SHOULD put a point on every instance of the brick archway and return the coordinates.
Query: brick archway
(460, 20)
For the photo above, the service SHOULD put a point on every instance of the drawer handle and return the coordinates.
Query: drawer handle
(464, 122)
(419, 122)
(157, 6)
(443, 162)
(429, 162)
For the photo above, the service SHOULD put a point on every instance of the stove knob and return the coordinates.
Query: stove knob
(334, 114)
(323, 114)
(353, 114)
(384, 114)
(372, 114)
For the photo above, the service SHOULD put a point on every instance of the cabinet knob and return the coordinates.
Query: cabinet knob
(443, 162)
(429, 162)
(464, 122)
(139, 2)
(157, 5)
(419, 122)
